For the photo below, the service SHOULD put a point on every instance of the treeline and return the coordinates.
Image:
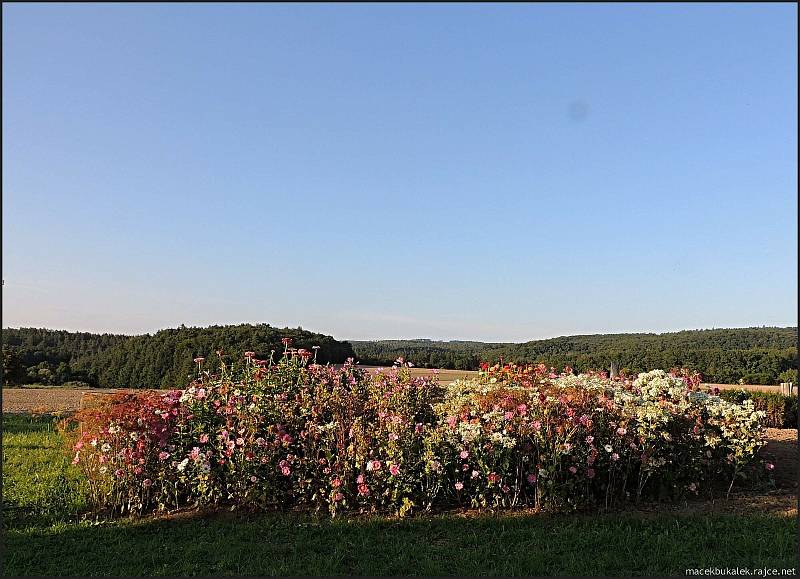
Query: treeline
(726, 356)
(161, 360)
(164, 359)
(41, 356)
(455, 355)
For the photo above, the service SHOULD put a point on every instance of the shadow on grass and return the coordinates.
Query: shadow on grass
(291, 544)
(26, 423)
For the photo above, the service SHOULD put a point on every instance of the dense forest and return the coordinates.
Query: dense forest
(726, 356)
(748, 355)
(455, 355)
(160, 360)
(164, 359)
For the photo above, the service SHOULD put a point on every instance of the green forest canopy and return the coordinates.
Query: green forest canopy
(749, 355)
(160, 360)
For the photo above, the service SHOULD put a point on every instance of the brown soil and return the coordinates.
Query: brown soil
(782, 451)
(48, 400)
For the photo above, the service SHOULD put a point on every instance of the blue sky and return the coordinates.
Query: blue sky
(491, 172)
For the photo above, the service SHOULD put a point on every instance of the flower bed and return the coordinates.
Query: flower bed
(297, 434)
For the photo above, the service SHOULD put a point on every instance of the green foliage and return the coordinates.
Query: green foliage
(780, 410)
(455, 355)
(160, 360)
(726, 356)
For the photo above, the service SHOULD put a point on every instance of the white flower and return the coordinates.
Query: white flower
(608, 448)
(182, 464)
(106, 447)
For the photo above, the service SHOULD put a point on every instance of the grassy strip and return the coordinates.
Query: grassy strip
(447, 545)
(41, 537)
(40, 485)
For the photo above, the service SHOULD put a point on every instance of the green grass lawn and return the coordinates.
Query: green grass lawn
(42, 496)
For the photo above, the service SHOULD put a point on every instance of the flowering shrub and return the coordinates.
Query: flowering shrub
(298, 434)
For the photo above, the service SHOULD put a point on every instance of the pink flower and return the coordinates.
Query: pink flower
(508, 415)
(589, 439)
(615, 457)
(338, 497)
(537, 424)
(493, 477)
(203, 438)
(464, 454)
(770, 466)
(286, 471)
(394, 469)
(200, 394)
(363, 489)
(590, 473)
(452, 421)
(240, 441)
(360, 479)
(376, 465)
(459, 486)
(532, 478)
(573, 469)
(253, 478)
(522, 408)
(393, 436)
(621, 431)
(163, 455)
(336, 483)
(287, 438)
(146, 483)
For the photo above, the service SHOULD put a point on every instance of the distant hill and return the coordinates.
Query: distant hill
(164, 359)
(160, 360)
(752, 355)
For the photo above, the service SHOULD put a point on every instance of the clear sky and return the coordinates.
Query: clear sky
(491, 172)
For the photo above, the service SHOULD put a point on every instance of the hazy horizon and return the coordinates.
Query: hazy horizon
(322, 331)
(490, 172)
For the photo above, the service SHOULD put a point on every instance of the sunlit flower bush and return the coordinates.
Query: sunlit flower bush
(295, 434)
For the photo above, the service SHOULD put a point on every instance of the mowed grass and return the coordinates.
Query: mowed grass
(43, 536)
